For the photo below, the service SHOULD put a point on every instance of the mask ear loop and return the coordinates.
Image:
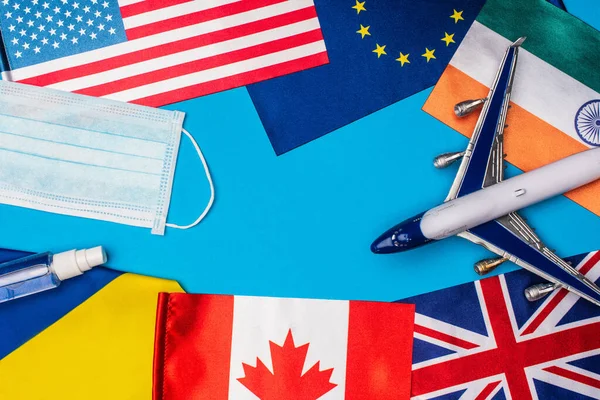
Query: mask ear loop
(210, 182)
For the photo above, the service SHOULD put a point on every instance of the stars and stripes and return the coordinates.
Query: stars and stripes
(498, 344)
(40, 30)
(157, 52)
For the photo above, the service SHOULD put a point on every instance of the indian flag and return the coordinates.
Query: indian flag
(555, 100)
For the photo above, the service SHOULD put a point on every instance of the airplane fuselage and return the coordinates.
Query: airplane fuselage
(471, 210)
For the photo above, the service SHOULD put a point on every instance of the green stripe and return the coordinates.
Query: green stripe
(553, 35)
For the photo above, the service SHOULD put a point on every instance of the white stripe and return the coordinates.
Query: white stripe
(153, 41)
(451, 330)
(436, 342)
(123, 3)
(473, 388)
(323, 324)
(539, 88)
(581, 371)
(177, 10)
(565, 383)
(187, 56)
(219, 72)
(484, 311)
(509, 307)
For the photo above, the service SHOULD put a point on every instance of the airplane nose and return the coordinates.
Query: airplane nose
(384, 245)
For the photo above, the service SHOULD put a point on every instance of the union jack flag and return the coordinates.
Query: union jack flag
(155, 52)
(484, 340)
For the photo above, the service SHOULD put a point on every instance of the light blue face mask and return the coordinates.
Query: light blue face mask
(89, 157)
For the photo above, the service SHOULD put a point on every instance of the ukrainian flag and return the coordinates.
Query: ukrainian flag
(90, 338)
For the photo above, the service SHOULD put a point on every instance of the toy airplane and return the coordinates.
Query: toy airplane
(481, 206)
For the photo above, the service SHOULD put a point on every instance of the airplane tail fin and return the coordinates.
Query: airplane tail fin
(519, 41)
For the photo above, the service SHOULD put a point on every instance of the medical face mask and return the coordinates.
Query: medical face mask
(89, 157)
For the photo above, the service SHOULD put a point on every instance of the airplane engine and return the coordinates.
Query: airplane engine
(488, 265)
(447, 159)
(468, 106)
(541, 290)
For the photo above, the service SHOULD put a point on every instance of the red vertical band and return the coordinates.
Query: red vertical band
(380, 338)
(193, 347)
(159, 340)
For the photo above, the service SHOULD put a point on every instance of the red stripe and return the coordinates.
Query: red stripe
(233, 81)
(379, 351)
(194, 345)
(197, 17)
(589, 264)
(445, 337)
(546, 310)
(170, 48)
(574, 376)
(202, 64)
(147, 6)
(487, 391)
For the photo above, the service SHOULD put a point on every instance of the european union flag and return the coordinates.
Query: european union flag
(380, 52)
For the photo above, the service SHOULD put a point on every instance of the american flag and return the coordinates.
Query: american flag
(155, 52)
(484, 340)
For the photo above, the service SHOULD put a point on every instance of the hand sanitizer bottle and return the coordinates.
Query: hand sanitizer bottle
(39, 272)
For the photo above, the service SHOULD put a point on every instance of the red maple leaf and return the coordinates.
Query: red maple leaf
(286, 381)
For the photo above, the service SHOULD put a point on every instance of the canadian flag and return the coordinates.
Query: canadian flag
(246, 348)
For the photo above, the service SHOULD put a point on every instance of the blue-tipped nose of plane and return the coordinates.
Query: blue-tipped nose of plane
(384, 244)
(404, 236)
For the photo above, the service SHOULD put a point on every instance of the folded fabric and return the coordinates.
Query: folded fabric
(484, 340)
(90, 338)
(237, 347)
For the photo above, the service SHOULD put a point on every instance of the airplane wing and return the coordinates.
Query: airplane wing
(483, 166)
(528, 251)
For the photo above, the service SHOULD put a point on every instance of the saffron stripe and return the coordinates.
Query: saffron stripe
(232, 81)
(197, 17)
(445, 337)
(202, 64)
(170, 48)
(574, 376)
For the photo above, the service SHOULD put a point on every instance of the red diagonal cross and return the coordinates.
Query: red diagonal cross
(509, 357)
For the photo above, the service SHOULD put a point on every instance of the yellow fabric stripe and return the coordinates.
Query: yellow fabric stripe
(101, 350)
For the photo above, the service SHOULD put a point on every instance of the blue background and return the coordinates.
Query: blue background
(301, 224)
